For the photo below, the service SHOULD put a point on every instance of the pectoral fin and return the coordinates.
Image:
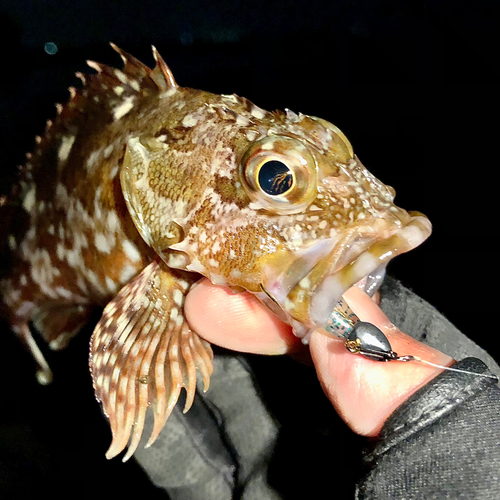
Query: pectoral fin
(143, 352)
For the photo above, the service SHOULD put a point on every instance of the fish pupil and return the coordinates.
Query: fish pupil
(275, 178)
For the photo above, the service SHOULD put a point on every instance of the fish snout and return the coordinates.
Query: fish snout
(308, 291)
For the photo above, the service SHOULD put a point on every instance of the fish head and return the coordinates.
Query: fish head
(274, 203)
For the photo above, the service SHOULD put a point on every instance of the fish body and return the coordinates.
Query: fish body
(140, 186)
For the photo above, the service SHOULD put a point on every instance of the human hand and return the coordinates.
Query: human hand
(364, 392)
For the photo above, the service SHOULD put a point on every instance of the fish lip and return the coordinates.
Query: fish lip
(368, 259)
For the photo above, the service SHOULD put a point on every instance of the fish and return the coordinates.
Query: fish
(139, 187)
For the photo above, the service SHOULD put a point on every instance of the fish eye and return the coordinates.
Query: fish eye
(275, 178)
(279, 174)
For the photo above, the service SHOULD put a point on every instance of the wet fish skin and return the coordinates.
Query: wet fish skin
(140, 186)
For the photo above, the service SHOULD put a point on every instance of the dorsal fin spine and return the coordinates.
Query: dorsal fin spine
(161, 67)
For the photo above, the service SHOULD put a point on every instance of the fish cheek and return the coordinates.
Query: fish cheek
(158, 185)
(230, 191)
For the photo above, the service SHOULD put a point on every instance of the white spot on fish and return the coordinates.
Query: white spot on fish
(216, 279)
(118, 90)
(92, 159)
(110, 284)
(169, 92)
(120, 75)
(60, 251)
(127, 273)
(251, 135)
(93, 278)
(57, 343)
(268, 145)
(189, 121)
(101, 242)
(135, 85)
(113, 172)
(305, 283)
(63, 292)
(74, 257)
(12, 242)
(243, 121)
(131, 251)
(29, 199)
(24, 309)
(235, 273)
(122, 109)
(65, 147)
(177, 260)
(113, 222)
(107, 152)
(232, 98)
(178, 297)
(257, 112)
(174, 313)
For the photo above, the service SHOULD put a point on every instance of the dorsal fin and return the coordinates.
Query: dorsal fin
(104, 96)
(116, 86)
(110, 87)
(161, 73)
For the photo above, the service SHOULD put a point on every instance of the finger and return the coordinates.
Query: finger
(237, 321)
(366, 392)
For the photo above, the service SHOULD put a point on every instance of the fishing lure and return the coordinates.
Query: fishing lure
(369, 341)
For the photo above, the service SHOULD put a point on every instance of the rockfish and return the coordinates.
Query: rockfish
(139, 187)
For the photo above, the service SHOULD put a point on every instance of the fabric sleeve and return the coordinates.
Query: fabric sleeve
(443, 442)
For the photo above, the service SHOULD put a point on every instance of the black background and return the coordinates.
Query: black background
(413, 85)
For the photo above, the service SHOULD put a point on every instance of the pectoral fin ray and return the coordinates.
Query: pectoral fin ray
(143, 353)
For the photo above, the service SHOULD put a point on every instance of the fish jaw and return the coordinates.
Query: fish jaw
(307, 292)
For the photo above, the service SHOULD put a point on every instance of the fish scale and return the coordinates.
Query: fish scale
(139, 186)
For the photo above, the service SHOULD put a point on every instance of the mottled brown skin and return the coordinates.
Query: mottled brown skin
(137, 188)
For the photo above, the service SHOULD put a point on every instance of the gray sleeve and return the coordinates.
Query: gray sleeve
(441, 443)
(265, 430)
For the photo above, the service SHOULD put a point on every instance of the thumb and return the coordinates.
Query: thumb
(366, 392)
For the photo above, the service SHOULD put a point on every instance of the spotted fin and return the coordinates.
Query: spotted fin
(143, 352)
(104, 98)
(110, 89)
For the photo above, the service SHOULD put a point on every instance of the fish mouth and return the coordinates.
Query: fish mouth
(309, 290)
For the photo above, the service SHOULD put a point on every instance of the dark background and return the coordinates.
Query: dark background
(414, 86)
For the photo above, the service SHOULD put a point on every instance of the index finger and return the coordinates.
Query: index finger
(239, 322)
(363, 391)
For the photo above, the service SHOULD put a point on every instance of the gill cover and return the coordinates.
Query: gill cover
(149, 203)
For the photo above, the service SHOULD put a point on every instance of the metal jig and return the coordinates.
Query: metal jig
(370, 342)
